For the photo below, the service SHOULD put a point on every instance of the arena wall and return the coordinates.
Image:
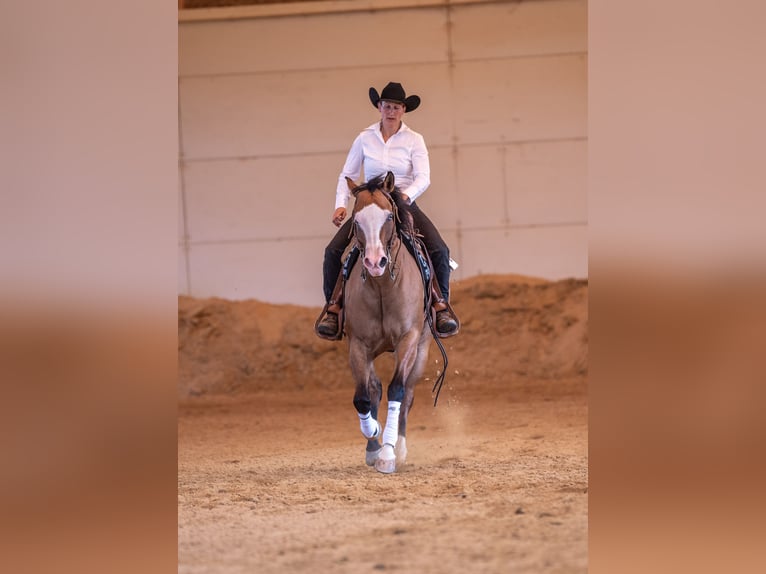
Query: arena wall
(271, 97)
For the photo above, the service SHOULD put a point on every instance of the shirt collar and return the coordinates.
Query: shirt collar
(376, 128)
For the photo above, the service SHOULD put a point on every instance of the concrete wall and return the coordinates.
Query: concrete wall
(269, 105)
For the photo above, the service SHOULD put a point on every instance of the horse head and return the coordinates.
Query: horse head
(374, 221)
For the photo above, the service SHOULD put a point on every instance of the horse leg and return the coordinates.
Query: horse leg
(406, 353)
(401, 444)
(373, 445)
(366, 399)
(409, 397)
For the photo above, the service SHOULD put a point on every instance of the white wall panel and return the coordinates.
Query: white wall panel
(549, 252)
(306, 112)
(268, 114)
(523, 184)
(512, 29)
(546, 182)
(261, 198)
(521, 99)
(482, 201)
(316, 42)
(273, 271)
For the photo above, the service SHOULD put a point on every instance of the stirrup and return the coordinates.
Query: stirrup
(334, 305)
(443, 306)
(322, 321)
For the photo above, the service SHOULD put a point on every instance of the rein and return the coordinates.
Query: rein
(440, 379)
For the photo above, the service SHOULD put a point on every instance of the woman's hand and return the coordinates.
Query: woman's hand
(339, 216)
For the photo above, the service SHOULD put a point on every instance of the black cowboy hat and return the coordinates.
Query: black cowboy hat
(394, 92)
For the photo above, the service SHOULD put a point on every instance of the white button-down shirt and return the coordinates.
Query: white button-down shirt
(404, 154)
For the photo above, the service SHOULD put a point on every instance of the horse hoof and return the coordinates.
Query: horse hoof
(385, 466)
(371, 456)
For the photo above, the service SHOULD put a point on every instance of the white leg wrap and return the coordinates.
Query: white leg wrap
(391, 433)
(370, 427)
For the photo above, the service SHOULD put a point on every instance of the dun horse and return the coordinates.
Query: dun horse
(384, 312)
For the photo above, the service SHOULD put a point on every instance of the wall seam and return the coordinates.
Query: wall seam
(454, 147)
(451, 61)
(186, 243)
(344, 152)
(468, 229)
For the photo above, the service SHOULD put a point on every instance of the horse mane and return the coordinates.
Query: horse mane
(372, 184)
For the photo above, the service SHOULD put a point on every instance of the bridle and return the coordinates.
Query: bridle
(394, 233)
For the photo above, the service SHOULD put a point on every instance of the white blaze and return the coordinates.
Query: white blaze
(370, 220)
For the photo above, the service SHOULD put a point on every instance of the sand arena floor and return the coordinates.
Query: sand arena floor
(271, 473)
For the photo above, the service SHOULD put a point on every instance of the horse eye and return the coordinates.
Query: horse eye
(390, 216)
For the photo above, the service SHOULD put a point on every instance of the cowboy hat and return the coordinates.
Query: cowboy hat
(394, 92)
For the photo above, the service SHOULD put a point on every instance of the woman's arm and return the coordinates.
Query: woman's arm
(352, 168)
(421, 170)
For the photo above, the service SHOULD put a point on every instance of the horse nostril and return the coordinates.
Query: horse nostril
(383, 261)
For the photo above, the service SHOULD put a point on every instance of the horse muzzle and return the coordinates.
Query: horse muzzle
(375, 265)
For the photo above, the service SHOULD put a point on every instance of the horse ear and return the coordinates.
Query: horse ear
(350, 183)
(388, 183)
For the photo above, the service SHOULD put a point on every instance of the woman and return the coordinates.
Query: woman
(388, 145)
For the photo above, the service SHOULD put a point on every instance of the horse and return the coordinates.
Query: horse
(384, 312)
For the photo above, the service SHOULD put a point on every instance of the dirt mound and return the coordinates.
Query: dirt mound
(511, 326)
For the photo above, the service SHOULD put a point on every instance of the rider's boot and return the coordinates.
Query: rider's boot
(447, 323)
(328, 326)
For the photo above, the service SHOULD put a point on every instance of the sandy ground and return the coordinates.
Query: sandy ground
(271, 473)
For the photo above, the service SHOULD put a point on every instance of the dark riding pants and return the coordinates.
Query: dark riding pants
(437, 250)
